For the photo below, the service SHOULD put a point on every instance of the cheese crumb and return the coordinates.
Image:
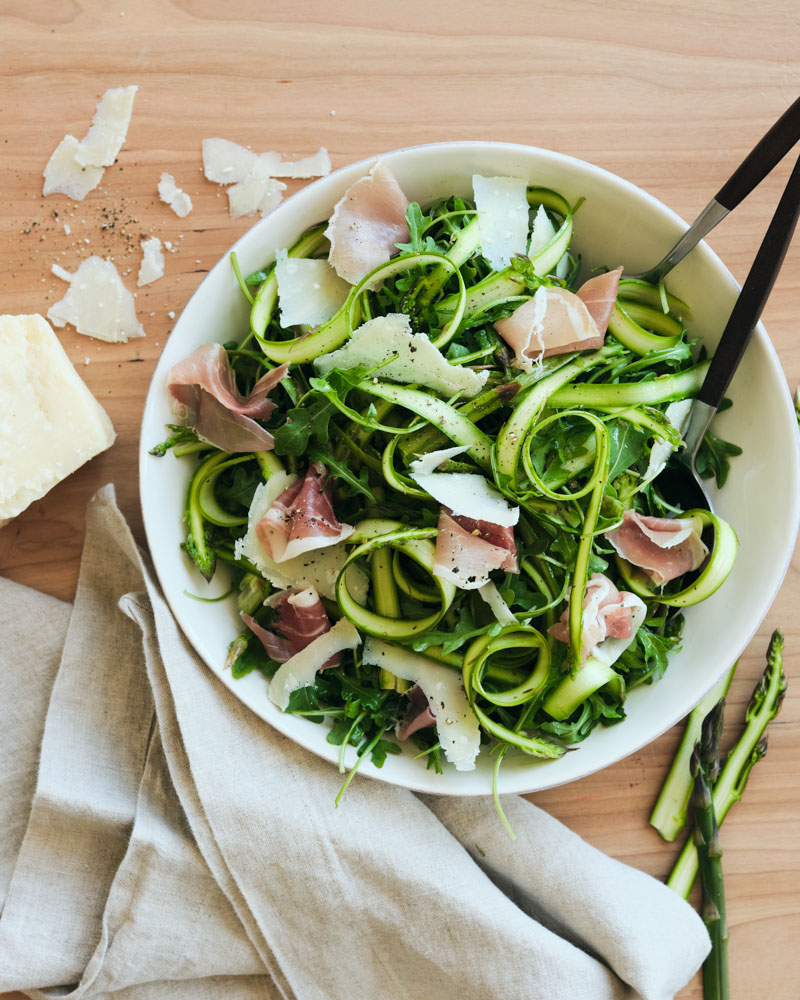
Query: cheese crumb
(46, 411)
(177, 199)
(98, 304)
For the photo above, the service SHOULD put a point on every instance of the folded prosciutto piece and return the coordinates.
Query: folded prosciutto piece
(468, 550)
(419, 714)
(302, 518)
(663, 547)
(366, 223)
(204, 384)
(599, 295)
(557, 321)
(609, 623)
(300, 619)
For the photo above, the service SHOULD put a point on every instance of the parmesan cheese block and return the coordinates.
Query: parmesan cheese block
(97, 303)
(502, 205)
(50, 424)
(417, 359)
(309, 291)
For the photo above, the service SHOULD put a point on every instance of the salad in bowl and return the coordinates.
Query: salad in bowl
(426, 463)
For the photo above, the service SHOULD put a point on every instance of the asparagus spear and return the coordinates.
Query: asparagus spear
(669, 812)
(764, 706)
(705, 769)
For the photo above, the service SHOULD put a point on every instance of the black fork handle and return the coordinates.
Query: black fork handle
(755, 292)
(769, 151)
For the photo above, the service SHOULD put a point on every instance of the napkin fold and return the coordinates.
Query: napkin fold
(159, 840)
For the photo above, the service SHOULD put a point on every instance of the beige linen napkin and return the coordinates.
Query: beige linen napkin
(158, 840)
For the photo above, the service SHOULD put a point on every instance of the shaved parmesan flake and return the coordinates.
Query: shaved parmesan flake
(309, 291)
(502, 206)
(300, 670)
(318, 569)
(103, 141)
(316, 165)
(152, 266)
(467, 494)
(258, 192)
(426, 464)
(177, 199)
(98, 304)
(417, 359)
(64, 175)
(224, 162)
(76, 168)
(500, 609)
(456, 723)
(677, 414)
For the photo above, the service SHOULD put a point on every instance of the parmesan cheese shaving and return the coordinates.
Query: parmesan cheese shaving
(426, 464)
(177, 199)
(466, 493)
(64, 175)
(50, 424)
(98, 304)
(316, 165)
(300, 670)
(456, 723)
(677, 415)
(224, 162)
(318, 569)
(258, 192)
(102, 143)
(152, 266)
(500, 609)
(502, 206)
(309, 291)
(417, 359)
(76, 168)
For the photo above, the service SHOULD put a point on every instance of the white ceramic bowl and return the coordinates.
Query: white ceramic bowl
(617, 224)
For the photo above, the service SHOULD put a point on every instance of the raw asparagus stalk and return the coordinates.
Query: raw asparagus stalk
(669, 812)
(763, 707)
(705, 769)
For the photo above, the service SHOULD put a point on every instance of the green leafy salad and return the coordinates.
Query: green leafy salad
(432, 463)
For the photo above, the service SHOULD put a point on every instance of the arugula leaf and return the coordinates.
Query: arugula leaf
(626, 444)
(416, 226)
(302, 423)
(357, 483)
(712, 458)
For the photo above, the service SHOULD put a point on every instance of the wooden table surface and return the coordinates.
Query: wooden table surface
(670, 98)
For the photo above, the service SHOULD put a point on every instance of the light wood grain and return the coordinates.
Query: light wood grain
(669, 97)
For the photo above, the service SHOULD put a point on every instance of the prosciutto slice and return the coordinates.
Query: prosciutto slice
(554, 321)
(204, 384)
(419, 714)
(302, 518)
(366, 223)
(468, 550)
(609, 622)
(663, 547)
(599, 295)
(300, 619)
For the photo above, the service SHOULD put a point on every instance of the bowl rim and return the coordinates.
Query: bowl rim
(306, 193)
